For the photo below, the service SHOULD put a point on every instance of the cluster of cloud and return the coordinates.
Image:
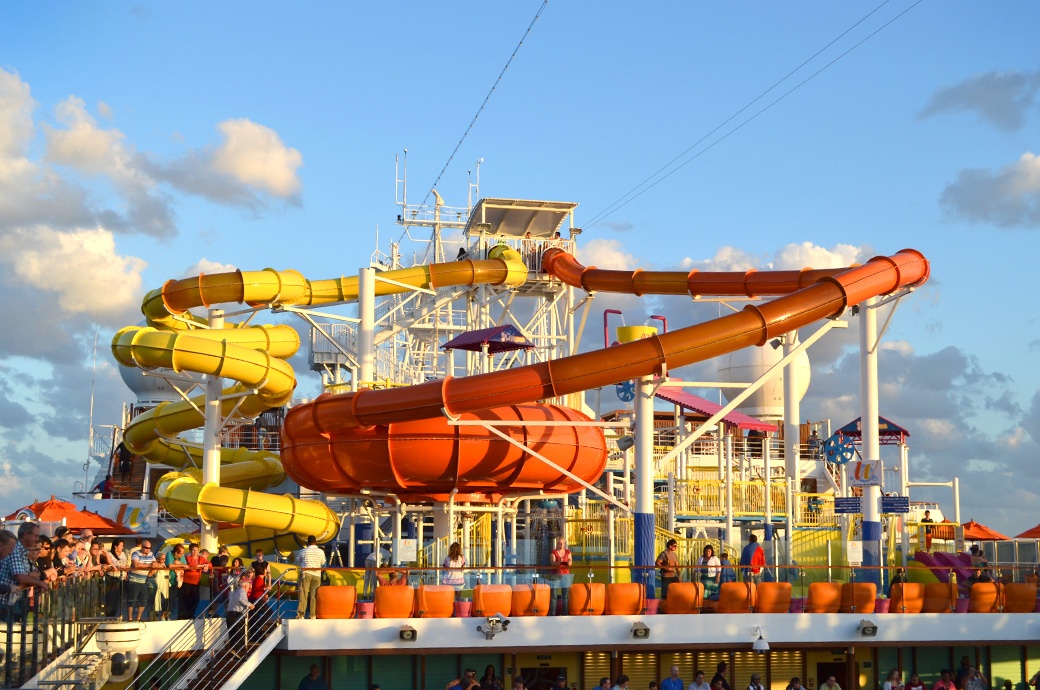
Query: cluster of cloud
(1007, 196)
(70, 188)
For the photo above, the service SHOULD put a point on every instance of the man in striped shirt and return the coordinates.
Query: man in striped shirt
(309, 557)
(142, 581)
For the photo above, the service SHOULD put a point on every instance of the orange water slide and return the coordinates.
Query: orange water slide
(399, 440)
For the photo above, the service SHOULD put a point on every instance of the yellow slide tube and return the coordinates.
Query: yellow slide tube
(252, 355)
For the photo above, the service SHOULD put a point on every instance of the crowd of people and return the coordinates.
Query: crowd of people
(138, 583)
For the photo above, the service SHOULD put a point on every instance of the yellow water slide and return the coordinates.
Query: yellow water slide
(254, 357)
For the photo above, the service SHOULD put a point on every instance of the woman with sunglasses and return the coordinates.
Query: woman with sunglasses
(115, 578)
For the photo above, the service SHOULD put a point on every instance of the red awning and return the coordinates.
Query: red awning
(689, 401)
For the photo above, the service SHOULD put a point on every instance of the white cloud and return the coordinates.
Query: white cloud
(809, 255)
(80, 144)
(207, 267)
(16, 108)
(1001, 98)
(81, 269)
(788, 257)
(1008, 197)
(255, 156)
(607, 254)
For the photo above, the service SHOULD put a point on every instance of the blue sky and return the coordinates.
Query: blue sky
(140, 142)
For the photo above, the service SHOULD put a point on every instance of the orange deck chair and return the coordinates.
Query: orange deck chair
(772, 597)
(824, 597)
(984, 597)
(491, 599)
(907, 597)
(339, 601)
(394, 602)
(586, 599)
(625, 599)
(531, 600)
(736, 597)
(684, 597)
(434, 601)
(939, 597)
(1019, 597)
(858, 597)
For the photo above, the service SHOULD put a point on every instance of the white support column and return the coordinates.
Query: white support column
(792, 413)
(727, 443)
(768, 507)
(367, 327)
(211, 438)
(871, 441)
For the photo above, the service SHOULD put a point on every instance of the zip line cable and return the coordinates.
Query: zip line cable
(643, 187)
(472, 122)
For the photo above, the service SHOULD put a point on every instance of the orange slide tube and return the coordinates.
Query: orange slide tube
(327, 440)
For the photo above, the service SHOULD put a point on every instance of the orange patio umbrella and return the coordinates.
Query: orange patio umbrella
(56, 510)
(975, 531)
(1031, 533)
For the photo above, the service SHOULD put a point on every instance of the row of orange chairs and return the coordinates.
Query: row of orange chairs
(593, 599)
(983, 597)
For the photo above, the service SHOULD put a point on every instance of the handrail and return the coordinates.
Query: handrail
(184, 639)
(216, 655)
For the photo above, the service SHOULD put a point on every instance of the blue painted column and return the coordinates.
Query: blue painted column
(644, 486)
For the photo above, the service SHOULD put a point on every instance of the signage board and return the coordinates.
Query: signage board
(895, 504)
(847, 505)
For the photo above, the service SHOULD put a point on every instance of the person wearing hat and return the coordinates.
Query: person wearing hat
(561, 681)
(756, 682)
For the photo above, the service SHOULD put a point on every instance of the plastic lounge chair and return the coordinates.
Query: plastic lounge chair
(772, 597)
(824, 597)
(394, 602)
(907, 597)
(684, 597)
(434, 601)
(338, 601)
(586, 599)
(492, 599)
(625, 599)
(858, 597)
(531, 600)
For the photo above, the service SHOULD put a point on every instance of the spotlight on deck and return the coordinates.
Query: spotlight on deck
(407, 634)
(640, 631)
(493, 625)
(625, 442)
(760, 646)
(867, 629)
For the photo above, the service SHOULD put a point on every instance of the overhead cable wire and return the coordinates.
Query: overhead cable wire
(472, 122)
(644, 187)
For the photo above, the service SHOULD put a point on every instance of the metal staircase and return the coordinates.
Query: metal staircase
(215, 662)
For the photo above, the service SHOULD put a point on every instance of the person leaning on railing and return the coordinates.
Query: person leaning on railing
(19, 574)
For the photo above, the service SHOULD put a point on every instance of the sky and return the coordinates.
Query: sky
(144, 142)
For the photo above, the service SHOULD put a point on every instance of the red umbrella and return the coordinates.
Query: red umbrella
(974, 531)
(1031, 533)
(56, 510)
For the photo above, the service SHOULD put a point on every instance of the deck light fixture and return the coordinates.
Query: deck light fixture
(867, 629)
(407, 634)
(493, 625)
(760, 646)
(640, 631)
